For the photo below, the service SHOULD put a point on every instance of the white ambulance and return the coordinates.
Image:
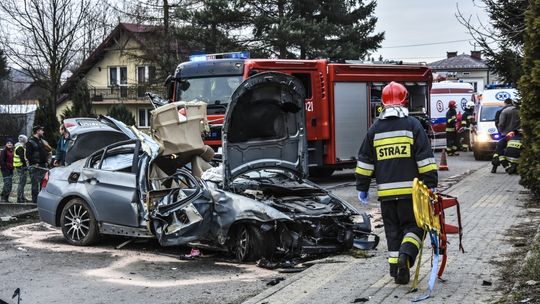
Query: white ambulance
(441, 93)
(485, 135)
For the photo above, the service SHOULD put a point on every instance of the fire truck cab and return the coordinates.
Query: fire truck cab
(342, 100)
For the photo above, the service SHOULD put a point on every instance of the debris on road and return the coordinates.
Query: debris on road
(486, 283)
(124, 244)
(275, 281)
(360, 300)
(8, 218)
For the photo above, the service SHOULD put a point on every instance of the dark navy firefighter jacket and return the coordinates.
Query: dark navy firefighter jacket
(395, 151)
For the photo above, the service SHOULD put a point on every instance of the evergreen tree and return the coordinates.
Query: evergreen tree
(529, 87)
(212, 24)
(121, 112)
(46, 117)
(82, 104)
(334, 29)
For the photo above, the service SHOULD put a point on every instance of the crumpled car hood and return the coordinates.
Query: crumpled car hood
(264, 126)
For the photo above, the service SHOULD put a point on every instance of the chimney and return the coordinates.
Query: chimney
(476, 54)
(451, 54)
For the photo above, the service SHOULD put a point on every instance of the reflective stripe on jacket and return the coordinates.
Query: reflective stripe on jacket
(513, 149)
(395, 151)
(451, 118)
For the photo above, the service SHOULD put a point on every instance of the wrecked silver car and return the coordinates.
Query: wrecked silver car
(255, 203)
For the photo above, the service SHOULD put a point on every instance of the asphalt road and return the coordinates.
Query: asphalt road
(36, 259)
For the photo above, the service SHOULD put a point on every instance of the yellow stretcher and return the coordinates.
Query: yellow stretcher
(429, 215)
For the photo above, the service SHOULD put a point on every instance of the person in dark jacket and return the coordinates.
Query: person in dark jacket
(396, 150)
(6, 163)
(451, 132)
(37, 160)
(61, 147)
(21, 166)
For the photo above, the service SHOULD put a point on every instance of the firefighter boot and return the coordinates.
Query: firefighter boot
(393, 270)
(403, 273)
(495, 162)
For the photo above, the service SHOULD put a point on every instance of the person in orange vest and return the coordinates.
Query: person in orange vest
(395, 151)
(451, 134)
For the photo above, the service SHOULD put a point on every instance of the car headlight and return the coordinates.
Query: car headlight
(483, 137)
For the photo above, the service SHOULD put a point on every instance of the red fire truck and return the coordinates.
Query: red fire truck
(342, 100)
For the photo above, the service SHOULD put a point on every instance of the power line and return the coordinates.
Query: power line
(423, 44)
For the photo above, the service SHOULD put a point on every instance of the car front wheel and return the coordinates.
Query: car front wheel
(251, 244)
(78, 223)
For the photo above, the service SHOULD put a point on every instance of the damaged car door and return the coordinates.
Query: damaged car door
(110, 179)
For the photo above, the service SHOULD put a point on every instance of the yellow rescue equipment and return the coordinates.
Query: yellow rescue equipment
(429, 214)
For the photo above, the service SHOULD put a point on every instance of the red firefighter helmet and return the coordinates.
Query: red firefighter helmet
(452, 104)
(394, 94)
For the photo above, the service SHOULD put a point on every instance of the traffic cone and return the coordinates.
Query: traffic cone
(443, 166)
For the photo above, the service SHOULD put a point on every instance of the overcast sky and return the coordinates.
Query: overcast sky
(413, 22)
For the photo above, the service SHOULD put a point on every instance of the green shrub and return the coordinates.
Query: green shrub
(529, 88)
(122, 113)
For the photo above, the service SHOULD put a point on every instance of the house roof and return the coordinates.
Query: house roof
(139, 32)
(459, 62)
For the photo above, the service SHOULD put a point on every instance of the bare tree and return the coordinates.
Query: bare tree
(501, 39)
(42, 37)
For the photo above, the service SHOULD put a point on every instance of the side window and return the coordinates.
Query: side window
(376, 101)
(117, 162)
(305, 78)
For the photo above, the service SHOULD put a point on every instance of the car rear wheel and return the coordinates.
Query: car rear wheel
(78, 223)
(251, 244)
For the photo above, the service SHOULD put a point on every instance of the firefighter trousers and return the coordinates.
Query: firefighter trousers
(498, 157)
(451, 142)
(402, 233)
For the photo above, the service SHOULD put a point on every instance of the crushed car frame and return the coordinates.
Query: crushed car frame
(256, 203)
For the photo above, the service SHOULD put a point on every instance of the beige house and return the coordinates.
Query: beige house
(115, 73)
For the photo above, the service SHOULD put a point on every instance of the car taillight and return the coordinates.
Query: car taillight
(45, 180)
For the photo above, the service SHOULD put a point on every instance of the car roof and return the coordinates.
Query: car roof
(82, 125)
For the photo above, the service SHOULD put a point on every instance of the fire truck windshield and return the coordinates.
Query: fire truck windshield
(212, 90)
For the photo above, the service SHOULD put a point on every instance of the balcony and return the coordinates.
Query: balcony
(122, 93)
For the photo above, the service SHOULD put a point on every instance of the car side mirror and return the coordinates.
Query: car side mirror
(169, 84)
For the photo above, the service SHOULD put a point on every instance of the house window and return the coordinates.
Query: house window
(118, 81)
(145, 76)
(144, 118)
(117, 76)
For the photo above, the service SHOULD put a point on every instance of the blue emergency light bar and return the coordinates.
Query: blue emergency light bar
(232, 55)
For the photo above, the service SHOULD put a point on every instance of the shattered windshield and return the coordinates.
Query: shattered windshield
(212, 90)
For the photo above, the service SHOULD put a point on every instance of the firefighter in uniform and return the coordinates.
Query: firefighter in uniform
(395, 150)
(512, 152)
(451, 134)
(467, 121)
